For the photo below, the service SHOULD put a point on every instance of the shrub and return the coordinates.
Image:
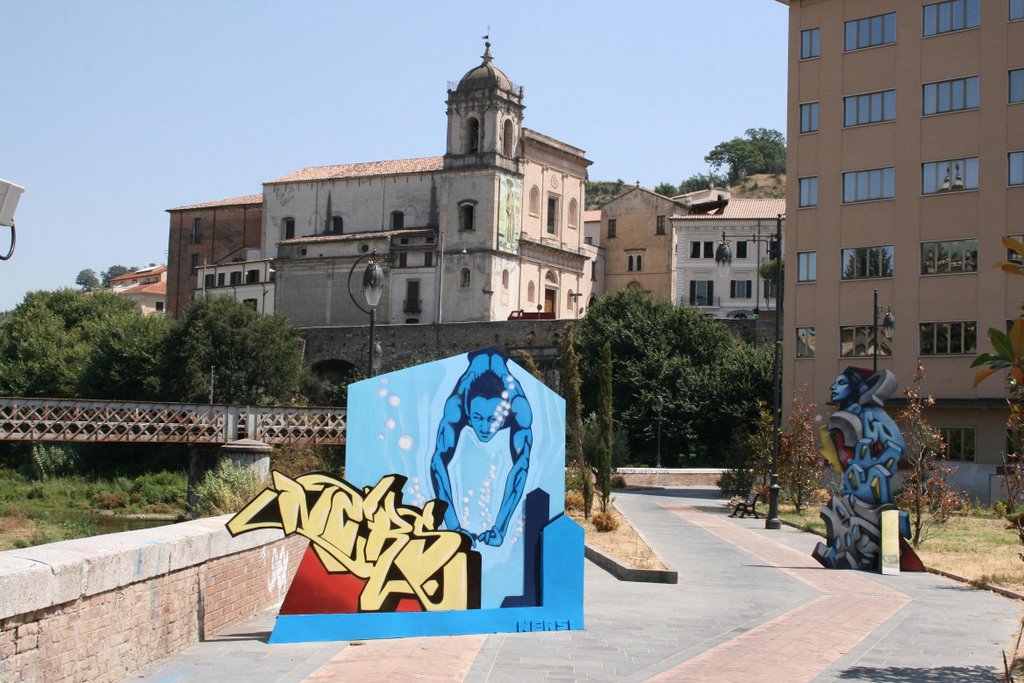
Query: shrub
(618, 482)
(1001, 508)
(52, 460)
(226, 489)
(604, 521)
(108, 500)
(573, 501)
(159, 487)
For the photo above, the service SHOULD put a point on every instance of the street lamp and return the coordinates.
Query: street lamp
(9, 196)
(772, 521)
(373, 287)
(658, 405)
(888, 327)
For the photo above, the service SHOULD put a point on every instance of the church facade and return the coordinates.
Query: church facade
(493, 226)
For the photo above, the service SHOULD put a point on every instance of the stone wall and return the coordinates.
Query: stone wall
(100, 608)
(650, 476)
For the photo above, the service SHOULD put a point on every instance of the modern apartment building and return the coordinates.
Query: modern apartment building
(906, 163)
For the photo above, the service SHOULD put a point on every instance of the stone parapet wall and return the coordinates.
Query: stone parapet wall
(100, 608)
(665, 476)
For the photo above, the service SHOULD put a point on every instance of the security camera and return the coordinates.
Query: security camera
(9, 195)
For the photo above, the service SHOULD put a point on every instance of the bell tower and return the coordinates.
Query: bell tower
(485, 118)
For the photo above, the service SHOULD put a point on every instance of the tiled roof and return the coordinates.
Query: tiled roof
(364, 169)
(151, 288)
(141, 272)
(365, 235)
(743, 209)
(592, 216)
(237, 201)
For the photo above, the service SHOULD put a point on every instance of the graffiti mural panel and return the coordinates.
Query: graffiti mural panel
(452, 505)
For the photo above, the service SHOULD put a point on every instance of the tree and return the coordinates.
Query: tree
(115, 271)
(701, 181)
(926, 494)
(125, 357)
(667, 189)
(762, 151)
(709, 383)
(801, 467)
(87, 280)
(255, 359)
(570, 381)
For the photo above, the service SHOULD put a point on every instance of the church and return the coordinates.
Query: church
(492, 227)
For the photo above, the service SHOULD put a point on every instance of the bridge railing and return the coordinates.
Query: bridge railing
(73, 420)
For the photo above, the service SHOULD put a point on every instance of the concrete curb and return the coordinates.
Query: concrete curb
(1005, 592)
(624, 573)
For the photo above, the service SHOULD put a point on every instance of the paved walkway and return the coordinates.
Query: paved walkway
(750, 604)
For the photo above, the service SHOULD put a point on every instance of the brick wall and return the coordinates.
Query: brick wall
(649, 476)
(107, 635)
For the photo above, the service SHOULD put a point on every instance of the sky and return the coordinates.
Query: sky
(115, 110)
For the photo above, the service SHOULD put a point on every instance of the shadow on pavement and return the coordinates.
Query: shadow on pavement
(940, 674)
(704, 492)
(262, 636)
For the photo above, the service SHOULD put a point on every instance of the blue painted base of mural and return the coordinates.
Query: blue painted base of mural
(561, 609)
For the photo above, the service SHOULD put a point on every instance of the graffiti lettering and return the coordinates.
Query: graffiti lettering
(396, 549)
(527, 626)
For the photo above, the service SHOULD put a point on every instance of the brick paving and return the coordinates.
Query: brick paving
(750, 602)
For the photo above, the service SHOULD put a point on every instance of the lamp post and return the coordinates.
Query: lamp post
(772, 521)
(658, 405)
(888, 327)
(373, 287)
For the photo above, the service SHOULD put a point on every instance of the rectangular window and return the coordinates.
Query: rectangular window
(740, 289)
(208, 280)
(220, 279)
(870, 31)
(741, 249)
(709, 250)
(659, 225)
(428, 259)
(949, 339)
(867, 262)
(1016, 170)
(1016, 9)
(252, 276)
(951, 175)
(810, 43)
(871, 107)
(956, 15)
(1017, 85)
(403, 259)
(694, 249)
(959, 442)
(805, 342)
(236, 277)
(950, 256)
(857, 340)
(702, 292)
(956, 95)
(197, 229)
(809, 191)
(809, 117)
(863, 186)
(806, 266)
(159, 306)
(552, 215)
(611, 228)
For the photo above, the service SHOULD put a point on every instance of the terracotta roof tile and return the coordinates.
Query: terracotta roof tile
(743, 209)
(364, 169)
(150, 288)
(236, 201)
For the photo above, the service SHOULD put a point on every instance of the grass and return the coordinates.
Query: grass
(976, 545)
(36, 511)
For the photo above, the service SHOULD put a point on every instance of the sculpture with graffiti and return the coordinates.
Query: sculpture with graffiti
(864, 444)
(450, 517)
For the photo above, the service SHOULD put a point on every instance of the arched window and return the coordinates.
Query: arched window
(464, 277)
(639, 262)
(504, 279)
(574, 209)
(630, 261)
(531, 292)
(472, 136)
(535, 200)
(288, 227)
(466, 214)
(507, 145)
(634, 285)
(397, 220)
(337, 224)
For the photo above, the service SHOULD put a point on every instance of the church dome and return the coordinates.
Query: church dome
(485, 76)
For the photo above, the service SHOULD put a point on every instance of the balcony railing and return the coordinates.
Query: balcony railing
(412, 306)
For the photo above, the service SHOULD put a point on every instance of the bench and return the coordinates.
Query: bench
(748, 506)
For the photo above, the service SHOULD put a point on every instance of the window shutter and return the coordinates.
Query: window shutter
(693, 292)
(732, 289)
(711, 293)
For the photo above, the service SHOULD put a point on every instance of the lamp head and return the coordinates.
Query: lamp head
(373, 284)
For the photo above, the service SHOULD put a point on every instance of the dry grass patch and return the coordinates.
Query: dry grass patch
(623, 543)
